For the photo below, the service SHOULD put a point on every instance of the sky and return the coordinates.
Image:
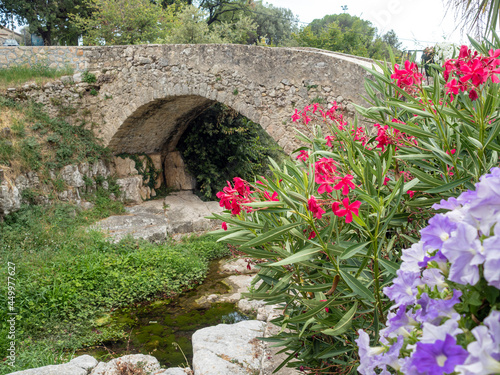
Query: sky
(417, 23)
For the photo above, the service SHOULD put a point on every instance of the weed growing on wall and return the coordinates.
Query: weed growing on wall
(40, 73)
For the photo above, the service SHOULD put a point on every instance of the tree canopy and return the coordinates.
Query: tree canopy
(48, 18)
(347, 34)
(125, 22)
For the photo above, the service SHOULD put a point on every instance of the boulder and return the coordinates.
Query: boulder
(148, 363)
(146, 221)
(186, 213)
(124, 167)
(72, 176)
(228, 349)
(77, 366)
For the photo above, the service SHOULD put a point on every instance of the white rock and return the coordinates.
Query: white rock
(86, 362)
(228, 349)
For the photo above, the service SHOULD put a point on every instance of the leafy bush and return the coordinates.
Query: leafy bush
(330, 227)
(221, 144)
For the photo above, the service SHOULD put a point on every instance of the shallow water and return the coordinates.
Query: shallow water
(155, 327)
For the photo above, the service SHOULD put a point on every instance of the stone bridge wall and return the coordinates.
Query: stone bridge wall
(53, 57)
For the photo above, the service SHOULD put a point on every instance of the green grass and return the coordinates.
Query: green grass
(67, 277)
(40, 73)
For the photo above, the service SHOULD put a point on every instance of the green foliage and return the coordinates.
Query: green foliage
(94, 92)
(194, 29)
(124, 22)
(274, 24)
(16, 75)
(89, 77)
(221, 144)
(347, 34)
(68, 277)
(326, 271)
(50, 18)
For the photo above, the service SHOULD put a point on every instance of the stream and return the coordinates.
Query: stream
(158, 327)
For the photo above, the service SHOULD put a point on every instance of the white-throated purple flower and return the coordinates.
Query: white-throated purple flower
(432, 309)
(491, 248)
(438, 232)
(438, 358)
(404, 290)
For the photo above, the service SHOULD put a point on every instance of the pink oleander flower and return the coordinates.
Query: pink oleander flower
(345, 184)
(325, 174)
(224, 225)
(315, 208)
(329, 139)
(348, 209)
(274, 197)
(303, 155)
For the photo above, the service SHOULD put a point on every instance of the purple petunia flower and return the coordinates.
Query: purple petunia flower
(412, 256)
(378, 357)
(437, 232)
(432, 333)
(404, 291)
(433, 277)
(432, 309)
(464, 251)
(438, 358)
(400, 323)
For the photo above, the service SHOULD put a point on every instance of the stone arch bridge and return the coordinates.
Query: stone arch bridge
(146, 96)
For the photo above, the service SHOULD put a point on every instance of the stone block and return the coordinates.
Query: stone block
(124, 167)
(131, 189)
(176, 175)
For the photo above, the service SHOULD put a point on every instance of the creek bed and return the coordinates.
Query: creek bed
(156, 328)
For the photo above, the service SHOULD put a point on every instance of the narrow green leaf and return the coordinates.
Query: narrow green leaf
(389, 266)
(357, 287)
(448, 186)
(354, 249)
(343, 324)
(298, 257)
(271, 235)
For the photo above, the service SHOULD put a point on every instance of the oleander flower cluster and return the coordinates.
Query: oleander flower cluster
(445, 318)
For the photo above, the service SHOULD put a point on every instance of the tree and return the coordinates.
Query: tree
(347, 34)
(125, 22)
(48, 18)
(275, 25)
(192, 28)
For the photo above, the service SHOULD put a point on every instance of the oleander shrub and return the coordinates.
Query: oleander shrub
(329, 229)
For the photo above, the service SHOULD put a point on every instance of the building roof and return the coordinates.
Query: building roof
(4, 31)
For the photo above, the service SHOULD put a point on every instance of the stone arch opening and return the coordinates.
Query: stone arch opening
(150, 135)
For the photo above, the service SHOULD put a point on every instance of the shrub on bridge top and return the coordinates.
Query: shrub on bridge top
(329, 228)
